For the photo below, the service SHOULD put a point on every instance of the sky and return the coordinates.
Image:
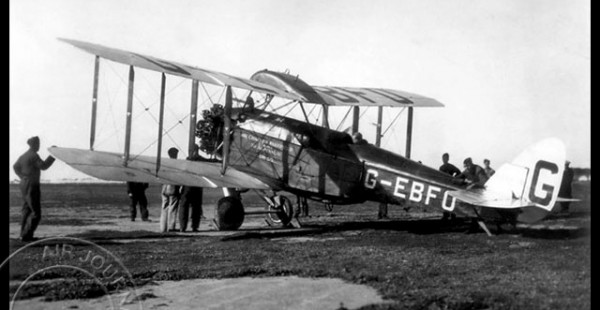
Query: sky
(509, 72)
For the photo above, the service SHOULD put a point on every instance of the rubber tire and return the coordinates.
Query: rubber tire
(284, 217)
(229, 213)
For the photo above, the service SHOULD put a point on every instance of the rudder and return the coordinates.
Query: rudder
(537, 171)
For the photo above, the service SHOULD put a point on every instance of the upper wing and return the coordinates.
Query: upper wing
(342, 96)
(174, 68)
(350, 96)
(109, 166)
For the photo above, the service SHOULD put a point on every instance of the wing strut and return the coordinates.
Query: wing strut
(378, 128)
(325, 116)
(161, 115)
(226, 128)
(94, 102)
(355, 117)
(128, 120)
(409, 131)
(193, 112)
(304, 112)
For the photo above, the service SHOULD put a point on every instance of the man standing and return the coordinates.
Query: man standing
(452, 170)
(489, 172)
(383, 211)
(474, 174)
(137, 194)
(28, 168)
(448, 167)
(170, 201)
(565, 187)
(191, 200)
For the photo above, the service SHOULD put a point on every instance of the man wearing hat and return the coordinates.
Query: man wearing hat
(28, 168)
(473, 174)
(170, 201)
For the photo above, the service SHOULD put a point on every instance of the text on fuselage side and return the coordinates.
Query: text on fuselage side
(409, 189)
(267, 149)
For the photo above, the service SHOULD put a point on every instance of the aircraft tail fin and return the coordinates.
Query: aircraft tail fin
(532, 179)
(534, 176)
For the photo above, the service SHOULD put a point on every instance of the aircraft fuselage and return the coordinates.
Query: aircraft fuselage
(324, 164)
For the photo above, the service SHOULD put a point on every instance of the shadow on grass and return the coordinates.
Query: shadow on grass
(419, 227)
(103, 237)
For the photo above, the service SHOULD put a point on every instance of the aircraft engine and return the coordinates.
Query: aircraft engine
(209, 129)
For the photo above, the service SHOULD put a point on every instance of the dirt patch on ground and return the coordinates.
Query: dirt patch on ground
(241, 293)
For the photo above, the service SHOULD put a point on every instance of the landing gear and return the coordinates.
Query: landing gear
(280, 211)
(229, 214)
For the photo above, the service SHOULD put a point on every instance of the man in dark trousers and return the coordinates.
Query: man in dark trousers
(565, 187)
(191, 200)
(137, 194)
(452, 170)
(28, 168)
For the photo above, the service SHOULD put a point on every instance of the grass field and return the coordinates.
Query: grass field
(412, 259)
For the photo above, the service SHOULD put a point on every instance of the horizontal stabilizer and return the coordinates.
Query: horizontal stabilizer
(560, 199)
(484, 198)
(109, 166)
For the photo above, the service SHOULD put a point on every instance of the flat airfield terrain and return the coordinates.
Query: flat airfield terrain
(344, 259)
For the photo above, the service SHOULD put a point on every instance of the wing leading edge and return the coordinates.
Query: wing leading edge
(265, 81)
(342, 96)
(179, 69)
(109, 166)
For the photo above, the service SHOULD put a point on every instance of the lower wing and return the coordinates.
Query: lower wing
(109, 166)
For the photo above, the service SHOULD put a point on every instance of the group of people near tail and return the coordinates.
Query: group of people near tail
(183, 203)
(473, 174)
(476, 176)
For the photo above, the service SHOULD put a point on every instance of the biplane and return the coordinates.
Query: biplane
(254, 148)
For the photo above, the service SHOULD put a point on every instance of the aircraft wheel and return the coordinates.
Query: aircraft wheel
(285, 210)
(229, 213)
